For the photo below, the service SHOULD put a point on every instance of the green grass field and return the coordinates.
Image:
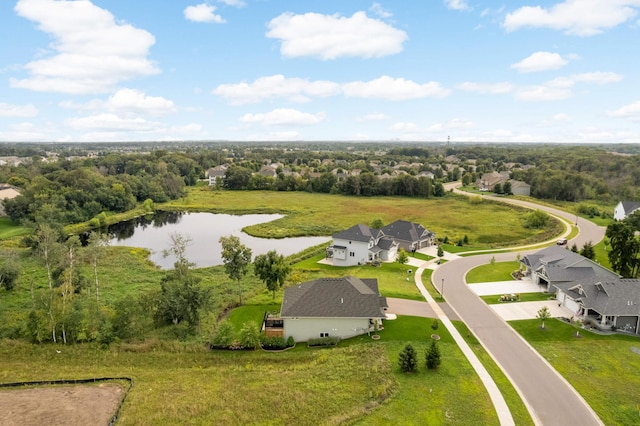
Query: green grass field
(605, 370)
(325, 214)
(357, 382)
(10, 229)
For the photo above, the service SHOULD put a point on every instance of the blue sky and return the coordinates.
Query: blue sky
(406, 70)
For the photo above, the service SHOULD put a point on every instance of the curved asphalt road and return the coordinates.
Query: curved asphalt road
(551, 400)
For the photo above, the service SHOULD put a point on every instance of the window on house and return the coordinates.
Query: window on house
(324, 334)
(352, 254)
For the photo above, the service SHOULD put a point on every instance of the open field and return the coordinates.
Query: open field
(604, 369)
(324, 214)
(178, 384)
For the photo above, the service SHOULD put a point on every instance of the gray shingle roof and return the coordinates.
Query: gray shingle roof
(630, 206)
(564, 265)
(405, 230)
(615, 297)
(358, 232)
(346, 297)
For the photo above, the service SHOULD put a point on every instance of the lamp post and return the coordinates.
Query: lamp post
(442, 289)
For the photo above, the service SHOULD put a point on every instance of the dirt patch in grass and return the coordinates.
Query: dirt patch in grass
(60, 405)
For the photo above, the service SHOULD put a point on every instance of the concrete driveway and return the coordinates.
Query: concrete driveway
(412, 308)
(505, 287)
(510, 311)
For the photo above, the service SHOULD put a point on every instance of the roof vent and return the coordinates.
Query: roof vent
(342, 300)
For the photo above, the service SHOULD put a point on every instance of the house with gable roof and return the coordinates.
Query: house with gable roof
(361, 244)
(409, 235)
(590, 291)
(339, 307)
(625, 208)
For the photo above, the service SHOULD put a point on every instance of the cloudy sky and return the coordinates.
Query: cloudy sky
(408, 70)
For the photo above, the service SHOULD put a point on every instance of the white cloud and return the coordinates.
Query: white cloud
(8, 110)
(234, 3)
(202, 13)
(486, 88)
(377, 9)
(455, 123)
(93, 51)
(457, 4)
(631, 111)
(373, 117)
(561, 118)
(542, 93)
(284, 117)
(405, 127)
(597, 77)
(127, 101)
(111, 127)
(560, 88)
(111, 122)
(394, 89)
(24, 132)
(301, 90)
(334, 36)
(574, 17)
(540, 61)
(276, 86)
(288, 135)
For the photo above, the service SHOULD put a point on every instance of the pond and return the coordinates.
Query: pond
(204, 230)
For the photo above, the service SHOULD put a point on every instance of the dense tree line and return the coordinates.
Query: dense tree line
(365, 184)
(606, 173)
(71, 191)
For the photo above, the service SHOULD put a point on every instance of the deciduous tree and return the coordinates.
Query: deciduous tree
(236, 257)
(623, 255)
(543, 315)
(272, 269)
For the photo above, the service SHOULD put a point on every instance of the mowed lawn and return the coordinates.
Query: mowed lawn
(487, 224)
(605, 370)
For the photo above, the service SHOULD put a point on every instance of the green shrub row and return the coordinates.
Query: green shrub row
(323, 341)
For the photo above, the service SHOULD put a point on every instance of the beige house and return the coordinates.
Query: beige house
(7, 192)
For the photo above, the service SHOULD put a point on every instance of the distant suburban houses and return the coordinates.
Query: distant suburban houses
(7, 192)
(329, 307)
(361, 244)
(625, 208)
(488, 182)
(593, 293)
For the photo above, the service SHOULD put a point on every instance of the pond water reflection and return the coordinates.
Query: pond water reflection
(204, 230)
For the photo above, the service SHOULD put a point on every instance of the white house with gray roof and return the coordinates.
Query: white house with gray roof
(340, 307)
(590, 291)
(359, 245)
(625, 208)
(409, 235)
